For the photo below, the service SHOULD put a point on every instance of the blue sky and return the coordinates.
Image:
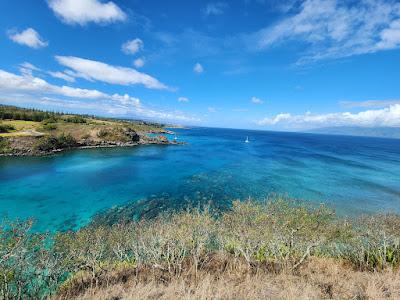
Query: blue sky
(279, 65)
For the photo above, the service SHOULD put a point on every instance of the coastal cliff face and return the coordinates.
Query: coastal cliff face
(48, 144)
(28, 133)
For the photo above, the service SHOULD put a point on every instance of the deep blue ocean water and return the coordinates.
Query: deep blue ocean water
(352, 174)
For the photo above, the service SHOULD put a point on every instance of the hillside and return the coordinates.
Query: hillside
(33, 132)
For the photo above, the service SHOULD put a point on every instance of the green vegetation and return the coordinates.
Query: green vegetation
(4, 145)
(5, 128)
(75, 119)
(34, 132)
(49, 126)
(49, 143)
(15, 113)
(103, 133)
(275, 237)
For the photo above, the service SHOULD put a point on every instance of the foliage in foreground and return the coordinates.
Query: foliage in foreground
(278, 235)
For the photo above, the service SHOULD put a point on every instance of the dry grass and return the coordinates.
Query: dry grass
(21, 125)
(318, 279)
(77, 130)
(22, 128)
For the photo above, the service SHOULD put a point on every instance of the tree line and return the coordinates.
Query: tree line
(25, 114)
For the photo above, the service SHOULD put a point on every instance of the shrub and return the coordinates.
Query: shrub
(66, 141)
(280, 235)
(4, 145)
(28, 269)
(102, 133)
(4, 128)
(75, 119)
(50, 120)
(49, 126)
(49, 143)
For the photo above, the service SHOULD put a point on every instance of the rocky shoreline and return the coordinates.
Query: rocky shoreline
(144, 140)
(27, 132)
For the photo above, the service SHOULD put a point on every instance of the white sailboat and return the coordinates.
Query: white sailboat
(247, 140)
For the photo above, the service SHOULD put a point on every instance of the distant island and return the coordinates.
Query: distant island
(34, 132)
(382, 132)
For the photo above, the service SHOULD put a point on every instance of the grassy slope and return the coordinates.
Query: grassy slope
(24, 135)
(76, 129)
(281, 249)
(19, 127)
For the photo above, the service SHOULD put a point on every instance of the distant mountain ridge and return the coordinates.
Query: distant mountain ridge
(383, 132)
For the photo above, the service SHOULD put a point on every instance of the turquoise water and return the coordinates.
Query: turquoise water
(353, 174)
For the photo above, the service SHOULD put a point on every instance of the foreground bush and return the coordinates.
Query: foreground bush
(277, 237)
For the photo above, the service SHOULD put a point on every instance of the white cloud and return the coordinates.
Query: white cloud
(99, 107)
(84, 11)
(96, 70)
(132, 46)
(198, 44)
(29, 37)
(17, 89)
(139, 62)
(216, 8)
(212, 109)
(333, 29)
(29, 84)
(183, 99)
(369, 103)
(61, 75)
(256, 100)
(27, 68)
(198, 68)
(167, 115)
(389, 116)
(390, 37)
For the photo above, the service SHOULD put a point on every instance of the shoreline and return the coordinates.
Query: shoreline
(27, 132)
(101, 146)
